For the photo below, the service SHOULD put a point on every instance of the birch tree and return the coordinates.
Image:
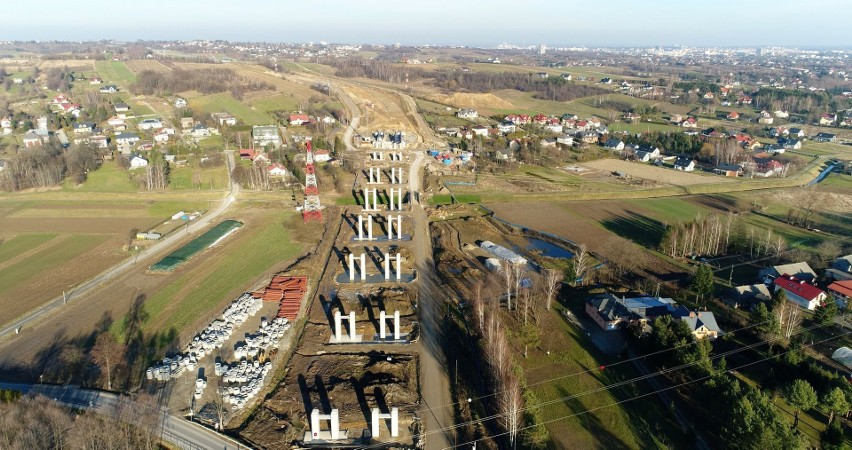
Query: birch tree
(552, 279)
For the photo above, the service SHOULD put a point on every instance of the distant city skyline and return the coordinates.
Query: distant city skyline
(616, 23)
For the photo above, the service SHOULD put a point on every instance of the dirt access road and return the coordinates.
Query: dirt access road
(146, 256)
(433, 377)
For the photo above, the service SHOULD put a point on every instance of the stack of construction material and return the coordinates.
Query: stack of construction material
(288, 292)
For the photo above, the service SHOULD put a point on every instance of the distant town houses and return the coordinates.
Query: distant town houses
(467, 113)
(266, 135)
(224, 119)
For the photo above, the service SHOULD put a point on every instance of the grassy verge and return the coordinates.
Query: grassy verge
(191, 295)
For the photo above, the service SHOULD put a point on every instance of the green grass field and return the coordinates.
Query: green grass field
(115, 72)
(628, 425)
(642, 127)
(196, 178)
(108, 178)
(21, 243)
(247, 255)
(670, 210)
(283, 102)
(226, 102)
(22, 272)
(837, 183)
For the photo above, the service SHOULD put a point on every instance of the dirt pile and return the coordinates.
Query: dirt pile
(467, 100)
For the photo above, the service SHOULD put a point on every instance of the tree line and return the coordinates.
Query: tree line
(718, 234)
(47, 166)
(205, 81)
(797, 101)
(40, 423)
(551, 88)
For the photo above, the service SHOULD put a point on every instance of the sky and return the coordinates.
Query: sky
(460, 22)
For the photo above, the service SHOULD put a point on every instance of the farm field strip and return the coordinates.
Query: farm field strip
(200, 287)
(222, 102)
(22, 243)
(115, 72)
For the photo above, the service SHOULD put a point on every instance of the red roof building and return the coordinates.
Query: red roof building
(841, 289)
(799, 291)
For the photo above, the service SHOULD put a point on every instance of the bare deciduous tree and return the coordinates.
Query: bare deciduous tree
(552, 279)
(581, 263)
(107, 354)
(506, 272)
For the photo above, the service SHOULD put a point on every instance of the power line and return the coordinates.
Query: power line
(649, 393)
(686, 344)
(620, 383)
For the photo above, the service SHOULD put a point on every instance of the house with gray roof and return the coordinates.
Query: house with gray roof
(800, 270)
(702, 325)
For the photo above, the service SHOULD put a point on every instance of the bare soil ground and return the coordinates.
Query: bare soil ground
(466, 100)
(380, 110)
(650, 172)
(350, 377)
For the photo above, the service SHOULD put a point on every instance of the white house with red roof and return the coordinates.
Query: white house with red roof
(299, 119)
(690, 122)
(277, 170)
(800, 291)
(733, 115)
(321, 155)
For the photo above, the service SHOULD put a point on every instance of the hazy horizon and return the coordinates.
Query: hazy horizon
(475, 23)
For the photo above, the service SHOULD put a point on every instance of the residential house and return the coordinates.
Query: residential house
(108, 89)
(702, 325)
(180, 102)
(800, 270)
(553, 127)
(843, 263)
(151, 124)
(587, 137)
(614, 144)
(161, 137)
(466, 113)
(781, 114)
(84, 127)
(766, 120)
(299, 119)
(121, 107)
(95, 80)
(200, 131)
(5, 122)
(224, 118)
(480, 130)
(264, 135)
(607, 312)
(828, 119)
(709, 95)
(841, 291)
(825, 137)
(321, 155)
(767, 168)
(797, 132)
(115, 121)
(778, 132)
(276, 170)
(646, 153)
(567, 76)
(724, 91)
(594, 122)
(518, 119)
(676, 118)
(186, 123)
(32, 139)
(566, 140)
(684, 163)
(137, 162)
(127, 139)
(569, 116)
(733, 115)
(774, 149)
(790, 143)
(729, 170)
(506, 127)
(744, 100)
(97, 141)
(800, 291)
(690, 122)
(751, 292)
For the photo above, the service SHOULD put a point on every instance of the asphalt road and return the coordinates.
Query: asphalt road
(143, 257)
(184, 434)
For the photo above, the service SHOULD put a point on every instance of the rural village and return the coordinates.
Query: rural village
(347, 246)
